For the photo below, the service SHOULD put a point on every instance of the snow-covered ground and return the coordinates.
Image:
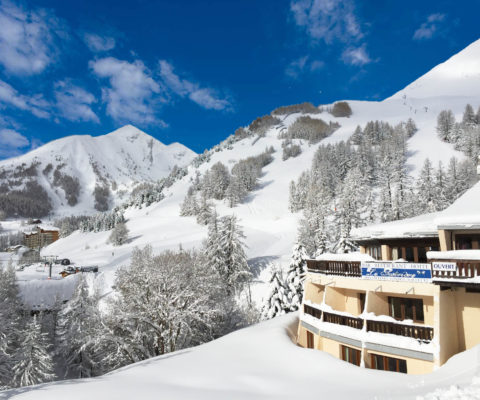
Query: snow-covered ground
(263, 362)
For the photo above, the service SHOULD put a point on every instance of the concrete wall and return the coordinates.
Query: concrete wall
(448, 336)
(468, 318)
(346, 300)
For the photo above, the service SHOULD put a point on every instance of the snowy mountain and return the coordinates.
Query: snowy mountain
(69, 169)
(263, 362)
(269, 226)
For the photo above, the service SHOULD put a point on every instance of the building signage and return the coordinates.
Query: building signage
(444, 266)
(396, 271)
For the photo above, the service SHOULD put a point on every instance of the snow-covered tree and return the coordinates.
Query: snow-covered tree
(277, 302)
(119, 235)
(204, 210)
(295, 277)
(426, 188)
(33, 363)
(77, 331)
(10, 323)
(445, 124)
(235, 270)
(189, 205)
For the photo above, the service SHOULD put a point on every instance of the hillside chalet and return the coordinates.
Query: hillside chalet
(41, 236)
(408, 301)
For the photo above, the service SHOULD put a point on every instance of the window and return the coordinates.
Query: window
(351, 355)
(463, 242)
(422, 255)
(385, 363)
(409, 254)
(310, 340)
(395, 255)
(403, 308)
(375, 252)
(361, 299)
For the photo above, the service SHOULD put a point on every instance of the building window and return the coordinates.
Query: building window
(395, 255)
(409, 255)
(351, 355)
(422, 255)
(375, 252)
(361, 300)
(310, 340)
(385, 363)
(403, 308)
(463, 242)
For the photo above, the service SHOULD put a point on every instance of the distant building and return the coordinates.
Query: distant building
(41, 236)
(408, 301)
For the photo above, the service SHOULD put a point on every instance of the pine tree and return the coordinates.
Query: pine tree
(189, 205)
(235, 270)
(10, 323)
(33, 362)
(445, 125)
(469, 117)
(204, 211)
(235, 192)
(277, 301)
(214, 253)
(295, 277)
(78, 324)
(410, 127)
(119, 235)
(426, 188)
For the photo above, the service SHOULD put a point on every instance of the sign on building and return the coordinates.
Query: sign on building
(396, 271)
(444, 266)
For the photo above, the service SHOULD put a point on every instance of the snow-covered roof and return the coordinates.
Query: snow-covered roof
(43, 227)
(454, 255)
(420, 226)
(357, 256)
(464, 213)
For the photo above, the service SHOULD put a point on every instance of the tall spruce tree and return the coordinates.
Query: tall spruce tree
(295, 277)
(33, 362)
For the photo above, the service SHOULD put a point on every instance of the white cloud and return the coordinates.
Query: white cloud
(11, 143)
(26, 39)
(303, 65)
(98, 43)
(429, 28)
(35, 104)
(204, 97)
(133, 95)
(74, 103)
(356, 56)
(327, 20)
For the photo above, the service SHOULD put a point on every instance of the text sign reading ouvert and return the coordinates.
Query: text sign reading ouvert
(444, 266)
(396, 271)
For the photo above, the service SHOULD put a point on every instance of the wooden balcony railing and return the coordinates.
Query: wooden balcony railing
(314, 312)
(338, 319)
(343, 268)
(465, 269)
(422, 333)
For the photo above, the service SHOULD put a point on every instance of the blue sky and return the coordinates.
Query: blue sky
(194, 71)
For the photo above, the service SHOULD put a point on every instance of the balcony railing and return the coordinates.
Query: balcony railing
(314, 312)
(465, 268)
(422, 333)
(338, 319)
(343, 268)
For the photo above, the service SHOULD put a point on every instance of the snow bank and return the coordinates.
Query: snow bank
(260, 362)
(465, 212)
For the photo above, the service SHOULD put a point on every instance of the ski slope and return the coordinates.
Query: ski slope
(263, 362)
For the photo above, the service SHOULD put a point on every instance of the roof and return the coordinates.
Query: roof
(420, 226)
(345, 257)
(464, 213)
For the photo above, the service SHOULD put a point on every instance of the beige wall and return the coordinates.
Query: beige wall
(468, 316)
(449, 345)
(445, 239)
(346, 300)
(313, 292)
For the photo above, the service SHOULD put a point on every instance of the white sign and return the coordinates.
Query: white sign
(396, 271)
(444, 266)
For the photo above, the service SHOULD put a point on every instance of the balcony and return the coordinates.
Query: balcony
(339, 319)
(465, 269)
(341, 268)
(422, 333)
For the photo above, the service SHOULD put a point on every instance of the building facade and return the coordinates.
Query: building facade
(408, 301)
(40, 237)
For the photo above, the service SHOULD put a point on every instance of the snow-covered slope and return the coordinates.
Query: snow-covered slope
(269, 226)
(263, 362)
(118, 160)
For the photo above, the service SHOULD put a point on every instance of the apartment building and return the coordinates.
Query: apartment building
(408, 301)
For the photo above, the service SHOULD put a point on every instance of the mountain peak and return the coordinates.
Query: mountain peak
(459, 76)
